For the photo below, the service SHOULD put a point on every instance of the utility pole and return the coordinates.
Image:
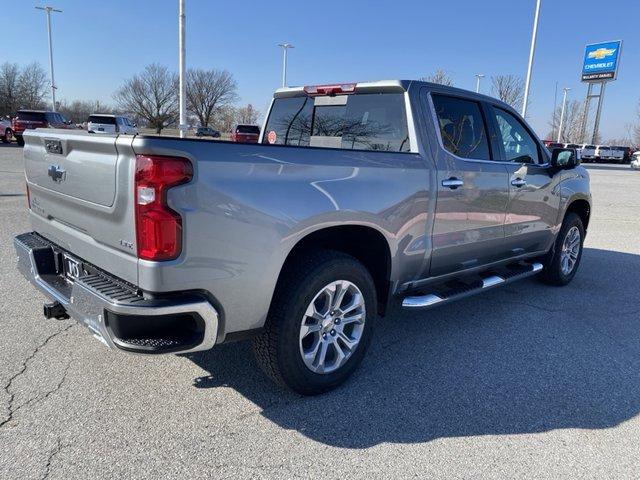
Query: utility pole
(182, 69)
(53, 82)
(285, 46)
(532, 52)
(564, 105)
(479, 76)
(596, 124)
(555, 115)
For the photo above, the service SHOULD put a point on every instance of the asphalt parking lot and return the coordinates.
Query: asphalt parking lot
(528, 381)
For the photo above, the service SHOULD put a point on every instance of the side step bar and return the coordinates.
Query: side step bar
(452, 294)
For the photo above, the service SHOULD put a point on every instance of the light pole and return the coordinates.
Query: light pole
(532, 52)
(53, 83)
(285, 46)
(182, 68)
(479, 76)
(564, 105)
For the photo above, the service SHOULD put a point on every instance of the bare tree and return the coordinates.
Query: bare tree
(247, 115)
(33, 86)
(208, 90)
(635, 129)
(509, 89)
(225, 118)
(78, 111)
(571, 124)
(151, 95)
(440, 76)
(9, 88)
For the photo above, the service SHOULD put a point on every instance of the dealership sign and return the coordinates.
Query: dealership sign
(601, 61)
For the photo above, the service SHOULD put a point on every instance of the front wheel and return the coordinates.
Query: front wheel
(7, 136)
(320, 323)
(561, 264)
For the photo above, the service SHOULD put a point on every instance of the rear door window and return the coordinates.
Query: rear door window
(462, 127)
(364, 122)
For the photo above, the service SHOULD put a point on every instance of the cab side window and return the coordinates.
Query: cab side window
(462, 127)
(519, 146)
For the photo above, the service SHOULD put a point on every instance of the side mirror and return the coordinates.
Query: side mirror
(564, 158)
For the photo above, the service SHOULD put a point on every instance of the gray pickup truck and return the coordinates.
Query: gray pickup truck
(355, 195)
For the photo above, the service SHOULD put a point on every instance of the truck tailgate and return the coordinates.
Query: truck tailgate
(80, 188)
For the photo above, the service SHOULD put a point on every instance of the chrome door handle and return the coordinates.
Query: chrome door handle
(452, 183)
(518, 182)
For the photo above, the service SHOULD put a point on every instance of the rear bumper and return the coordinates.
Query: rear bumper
(114, 311)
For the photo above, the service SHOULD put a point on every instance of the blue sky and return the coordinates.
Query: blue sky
(99, 43)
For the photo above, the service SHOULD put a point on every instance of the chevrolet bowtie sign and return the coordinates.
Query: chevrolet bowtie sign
(601, 61)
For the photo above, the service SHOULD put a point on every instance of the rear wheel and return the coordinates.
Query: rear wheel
(7, 136)
(561, 264)
(320, 323)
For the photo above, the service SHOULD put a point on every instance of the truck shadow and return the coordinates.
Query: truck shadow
(524, 359)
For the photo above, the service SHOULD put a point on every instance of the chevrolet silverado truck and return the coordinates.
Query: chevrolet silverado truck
(355, 195)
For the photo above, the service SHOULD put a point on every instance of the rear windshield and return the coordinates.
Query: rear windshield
(589, 146)
(372, 121)
(253, 129)
(605, 148)
(102, 119)
(31, 116)
(53, 117)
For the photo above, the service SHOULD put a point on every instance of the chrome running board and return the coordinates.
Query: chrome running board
(444, 295)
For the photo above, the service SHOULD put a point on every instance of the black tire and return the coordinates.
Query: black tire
(7, 136)
(552, 273)
(20, 140)
(277, 349)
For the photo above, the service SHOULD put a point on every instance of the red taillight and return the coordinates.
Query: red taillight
(158, 228)
(342, 88)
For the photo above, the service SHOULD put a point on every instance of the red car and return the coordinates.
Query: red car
(246, 134)
(31, 119)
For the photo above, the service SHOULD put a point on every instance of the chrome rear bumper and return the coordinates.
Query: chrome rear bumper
(109, 306)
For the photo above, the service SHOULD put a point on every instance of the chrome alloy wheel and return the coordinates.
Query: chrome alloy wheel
(332, 326)
(570, 251)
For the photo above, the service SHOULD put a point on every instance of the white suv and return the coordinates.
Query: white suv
(107, 123)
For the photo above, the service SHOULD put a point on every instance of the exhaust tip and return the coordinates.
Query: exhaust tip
(55, 310)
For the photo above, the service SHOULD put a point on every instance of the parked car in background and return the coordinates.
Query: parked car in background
(246, 134)
(588, 152)
(603, 153)
(625, 152)
(32, 119)
(207, 132)
(356, 193)
(108, 123)
(573, 146)
(635, 161)
(6, 133)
